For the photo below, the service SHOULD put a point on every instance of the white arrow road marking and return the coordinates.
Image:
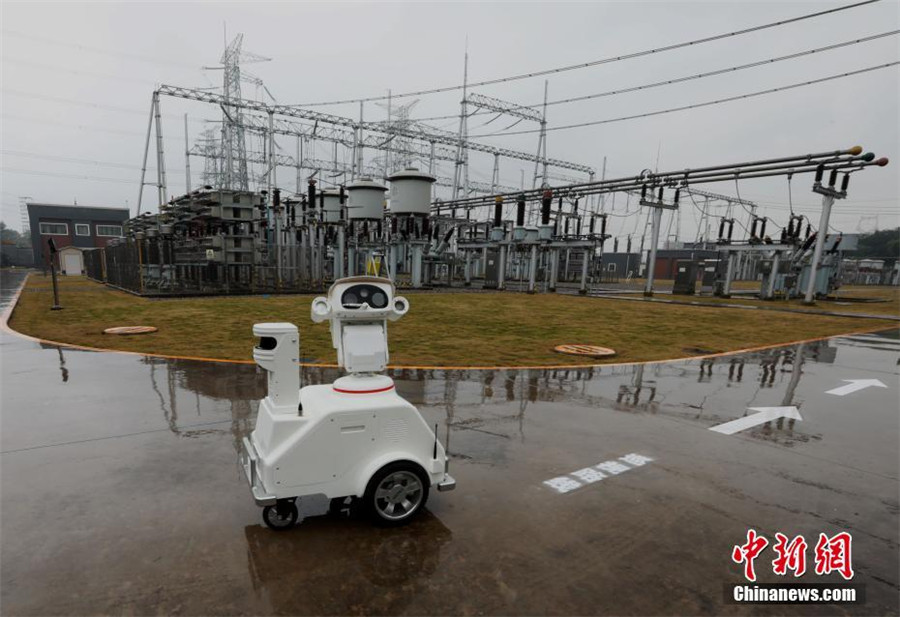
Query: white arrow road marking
(855, 384)
(766, 414)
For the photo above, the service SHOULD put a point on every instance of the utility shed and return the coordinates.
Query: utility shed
(71, 260)
(80, 226)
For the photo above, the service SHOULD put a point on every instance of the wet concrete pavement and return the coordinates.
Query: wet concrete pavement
(121, 491)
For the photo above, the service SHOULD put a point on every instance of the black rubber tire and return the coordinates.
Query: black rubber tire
(370, 502)
(280, 517)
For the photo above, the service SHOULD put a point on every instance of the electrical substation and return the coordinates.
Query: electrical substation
(244, 231)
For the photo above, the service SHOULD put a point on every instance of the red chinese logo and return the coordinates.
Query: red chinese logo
(746, 553)
(791, 556)
(831, 554)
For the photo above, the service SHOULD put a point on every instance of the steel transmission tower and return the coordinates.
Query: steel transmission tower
(399, 151)
(233, 173)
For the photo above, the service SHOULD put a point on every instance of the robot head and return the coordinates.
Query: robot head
(359, 308)
(358, 299)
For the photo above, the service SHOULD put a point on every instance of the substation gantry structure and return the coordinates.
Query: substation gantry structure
(516, 247)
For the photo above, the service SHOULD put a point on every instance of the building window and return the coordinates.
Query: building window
(82, 229)
(610, 267)
(54, 229)
(109, 231)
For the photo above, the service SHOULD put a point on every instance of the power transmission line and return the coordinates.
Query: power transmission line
(677, 80)
(67, 159)
(58, 99)
(731, 69)
(96, 50)
(697, 105)
(34, 172)
(608, 60)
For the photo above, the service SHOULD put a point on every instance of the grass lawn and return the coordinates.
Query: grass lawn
(441, 329)
(842, 303)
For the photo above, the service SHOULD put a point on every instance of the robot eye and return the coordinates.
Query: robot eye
(350, 298)
(364, 293)
(379, 300)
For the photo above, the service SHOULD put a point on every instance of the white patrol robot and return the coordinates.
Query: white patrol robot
(354, 438)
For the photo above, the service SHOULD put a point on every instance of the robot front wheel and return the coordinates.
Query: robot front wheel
(281, 516)
(396, 494)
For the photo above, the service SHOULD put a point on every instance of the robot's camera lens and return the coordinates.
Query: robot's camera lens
(350, 298)
(379, 300)
(364, 293)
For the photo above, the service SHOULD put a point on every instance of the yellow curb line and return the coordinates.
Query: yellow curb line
(7, 314)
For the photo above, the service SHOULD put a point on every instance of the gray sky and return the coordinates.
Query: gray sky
(77, 80)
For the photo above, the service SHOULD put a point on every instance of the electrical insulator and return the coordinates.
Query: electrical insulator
(820, 171)
(311, 191)
(832, 179)
(845, 183)
(546, 201)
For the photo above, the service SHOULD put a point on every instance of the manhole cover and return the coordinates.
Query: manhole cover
(130, 330)
(585, 350)
(699, 351)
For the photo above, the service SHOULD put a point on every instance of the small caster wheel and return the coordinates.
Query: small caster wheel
(280, 516)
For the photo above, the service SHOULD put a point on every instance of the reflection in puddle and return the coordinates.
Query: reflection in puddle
(495, 404)
(288, 568)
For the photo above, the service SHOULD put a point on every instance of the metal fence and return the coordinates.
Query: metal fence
(153, 268)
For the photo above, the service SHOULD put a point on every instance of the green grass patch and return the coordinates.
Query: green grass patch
(441, 329)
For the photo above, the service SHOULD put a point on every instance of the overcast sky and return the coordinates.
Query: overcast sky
(77, 80)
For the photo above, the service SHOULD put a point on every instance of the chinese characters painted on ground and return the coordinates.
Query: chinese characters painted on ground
(589, 475)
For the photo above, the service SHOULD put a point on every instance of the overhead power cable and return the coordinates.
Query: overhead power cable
(572, 67)
(68, 159)
(677, 80)
(730, 69)
(696, 105)
(34, 172)
(117, 53)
